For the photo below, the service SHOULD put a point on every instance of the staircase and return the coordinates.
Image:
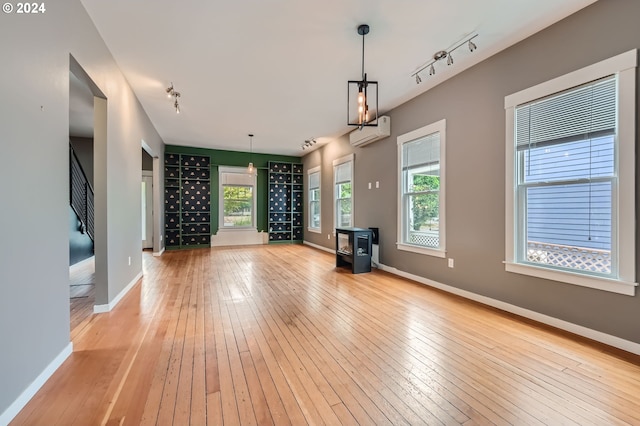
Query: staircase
(81, 195)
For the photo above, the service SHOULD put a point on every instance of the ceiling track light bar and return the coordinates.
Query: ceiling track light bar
(442, 54)
(172, 93)
(308, 143)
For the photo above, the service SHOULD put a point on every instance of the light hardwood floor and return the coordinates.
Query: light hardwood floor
(82, 294)
(276, 335)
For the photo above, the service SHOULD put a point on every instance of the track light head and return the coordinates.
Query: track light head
(418, 79)
(450, 59)
(432, 70)
(472, 46)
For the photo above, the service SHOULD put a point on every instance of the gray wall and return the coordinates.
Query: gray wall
(34, 118)
(473, 105)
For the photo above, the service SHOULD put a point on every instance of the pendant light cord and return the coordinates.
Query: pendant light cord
(363, 56)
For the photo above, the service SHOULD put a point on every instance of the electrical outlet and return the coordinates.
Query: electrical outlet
(328, 236)
(369, 185)
(129, 260)
(450, 264)
(377, 184)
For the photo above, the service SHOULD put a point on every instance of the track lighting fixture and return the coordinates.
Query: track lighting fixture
(444, 54)
(172, 93)
(363, 110)
(250, 168)
(308, 143)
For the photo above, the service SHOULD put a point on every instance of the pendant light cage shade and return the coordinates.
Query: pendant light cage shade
(362, 95)
(362, 103)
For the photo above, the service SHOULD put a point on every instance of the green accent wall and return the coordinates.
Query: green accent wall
(237, 159)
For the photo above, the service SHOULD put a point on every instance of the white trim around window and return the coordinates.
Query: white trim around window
(337, 162)
(403, 243)
(622, 66)
(313, 176)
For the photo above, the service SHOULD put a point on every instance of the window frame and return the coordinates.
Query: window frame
(623, 240)
(310, 172)
(253, 179)
(441, 252)
(337, 162)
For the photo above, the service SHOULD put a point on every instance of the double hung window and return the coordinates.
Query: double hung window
(314, 199)
(343, 191)
(237, 198)
(570, 178)
(421, 193)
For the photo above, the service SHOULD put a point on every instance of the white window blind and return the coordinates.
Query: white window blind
(581, 113)
(314, 180)
(422, 152)
(236, 178)
(343, 172)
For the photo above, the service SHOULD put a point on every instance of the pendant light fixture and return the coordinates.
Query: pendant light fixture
(362, 95)
(250, 168)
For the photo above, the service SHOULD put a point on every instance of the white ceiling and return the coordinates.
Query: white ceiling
(279, 68)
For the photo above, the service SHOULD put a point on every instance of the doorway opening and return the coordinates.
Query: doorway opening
(87, 151)
(150, 199)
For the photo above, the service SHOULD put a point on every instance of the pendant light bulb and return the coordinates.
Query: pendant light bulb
(250, 168)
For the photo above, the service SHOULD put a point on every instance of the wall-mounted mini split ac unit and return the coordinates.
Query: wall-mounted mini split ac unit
(367, 135)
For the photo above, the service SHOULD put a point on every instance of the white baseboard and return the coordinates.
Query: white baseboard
(319, 247)
(158, 253)
(35, 386)
(100, 309)
(598, 336)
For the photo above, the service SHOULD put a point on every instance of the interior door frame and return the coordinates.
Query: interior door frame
(147, 178)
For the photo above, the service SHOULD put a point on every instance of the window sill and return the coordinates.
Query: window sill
(422, 250)
(314, 230)
(599, 283)
(237, 228)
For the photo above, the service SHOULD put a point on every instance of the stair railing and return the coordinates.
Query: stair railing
(81, 195)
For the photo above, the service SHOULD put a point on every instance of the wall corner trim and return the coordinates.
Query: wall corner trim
(598, 336)
(100, 309)
(158, 253)
(35, 386)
